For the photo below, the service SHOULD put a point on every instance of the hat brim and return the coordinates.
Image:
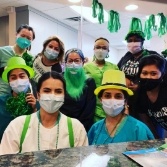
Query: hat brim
(97, 90)
(8, 69)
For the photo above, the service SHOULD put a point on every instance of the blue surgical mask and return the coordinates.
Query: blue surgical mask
(23, 43)
(20, 85)
(51, 54)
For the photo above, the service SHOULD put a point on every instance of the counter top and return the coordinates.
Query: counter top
(79, 156)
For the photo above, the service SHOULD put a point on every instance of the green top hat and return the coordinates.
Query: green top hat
(114, 79)
(14, 63)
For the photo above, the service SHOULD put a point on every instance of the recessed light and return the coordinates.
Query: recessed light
(131, 7)
(74, 1)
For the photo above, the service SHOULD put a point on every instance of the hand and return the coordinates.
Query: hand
(31, 100)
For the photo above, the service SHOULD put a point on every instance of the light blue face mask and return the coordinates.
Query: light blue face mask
(73, 67)
(23, 43)
(51, 54)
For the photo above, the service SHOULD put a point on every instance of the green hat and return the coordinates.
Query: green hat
(113, 79)
(16, 62)
(139, 33)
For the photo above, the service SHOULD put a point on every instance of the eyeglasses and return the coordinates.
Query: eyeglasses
(70, 61)
(101, 47)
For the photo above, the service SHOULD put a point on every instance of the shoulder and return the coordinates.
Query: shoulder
(110, 64)
(88, 65)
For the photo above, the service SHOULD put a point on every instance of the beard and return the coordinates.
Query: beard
(75, 81)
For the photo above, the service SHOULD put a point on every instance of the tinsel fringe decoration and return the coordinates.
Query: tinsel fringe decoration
(113, 21)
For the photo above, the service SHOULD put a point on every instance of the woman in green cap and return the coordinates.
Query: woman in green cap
(117, 126)
(21, 101)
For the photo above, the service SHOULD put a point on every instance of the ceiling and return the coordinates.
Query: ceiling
(59, 9)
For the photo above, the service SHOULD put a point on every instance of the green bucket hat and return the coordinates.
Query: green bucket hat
(114, 79)
(14, 63)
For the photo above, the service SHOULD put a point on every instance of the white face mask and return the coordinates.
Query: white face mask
(19, 85)
(51, 54)
(100, 54)
(51, 103)
(113, 107)
(134, 47)
(73, 66)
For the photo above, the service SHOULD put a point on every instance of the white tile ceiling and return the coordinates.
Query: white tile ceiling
(59, 9)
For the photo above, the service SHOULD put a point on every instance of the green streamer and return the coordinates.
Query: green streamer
(136, 24)
(152, 22)
(147, 30)
(162, 27)
(100, 13)
(94, 8)
(113, 21)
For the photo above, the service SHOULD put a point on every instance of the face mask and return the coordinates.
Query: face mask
(74, 68)
(100, 54)
(23, 43)
(113, 107)
(51, 54)
(51, 103)
(20, 85)
(134, 47)
(149, 84)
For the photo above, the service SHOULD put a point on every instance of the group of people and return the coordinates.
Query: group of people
(51, 108)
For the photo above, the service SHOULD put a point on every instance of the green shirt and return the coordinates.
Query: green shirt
(96, 73)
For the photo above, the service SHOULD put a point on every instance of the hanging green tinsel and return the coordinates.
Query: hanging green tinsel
(136, 24)
(113, 21)
(149, 26)
(94, 8)
(162, 29)
(100, 13)
(18, 106)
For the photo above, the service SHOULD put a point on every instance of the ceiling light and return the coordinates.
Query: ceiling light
(86, 12)
(74, 1)
(131, 7)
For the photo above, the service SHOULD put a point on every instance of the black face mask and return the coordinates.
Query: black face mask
(149, 84)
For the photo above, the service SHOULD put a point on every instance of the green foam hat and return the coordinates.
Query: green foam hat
(14, 63)
(113, 79)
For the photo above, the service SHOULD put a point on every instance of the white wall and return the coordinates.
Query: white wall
(46, 26)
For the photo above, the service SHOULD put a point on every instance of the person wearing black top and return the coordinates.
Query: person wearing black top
(80, 101)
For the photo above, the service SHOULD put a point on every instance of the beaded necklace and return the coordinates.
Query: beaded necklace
(96, 137)
(57, 123)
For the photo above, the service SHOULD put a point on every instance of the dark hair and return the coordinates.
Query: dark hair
(78, 51)
(25, 26)
(123, 91)
(102, 38)
(61, 44)
(153, 59)
(19, 68)
(47, 75)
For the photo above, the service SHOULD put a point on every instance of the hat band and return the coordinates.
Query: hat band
(117, 84)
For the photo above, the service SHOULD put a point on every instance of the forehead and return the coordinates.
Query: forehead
(52, 84)
(73, 55)
(17, 71)
(101, 42)
(54, 43)
(151, 67)
(113, 91)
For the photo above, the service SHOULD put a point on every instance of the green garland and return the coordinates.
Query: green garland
(162, 28)
(28, 59)
(18, 106)
(164, 53)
